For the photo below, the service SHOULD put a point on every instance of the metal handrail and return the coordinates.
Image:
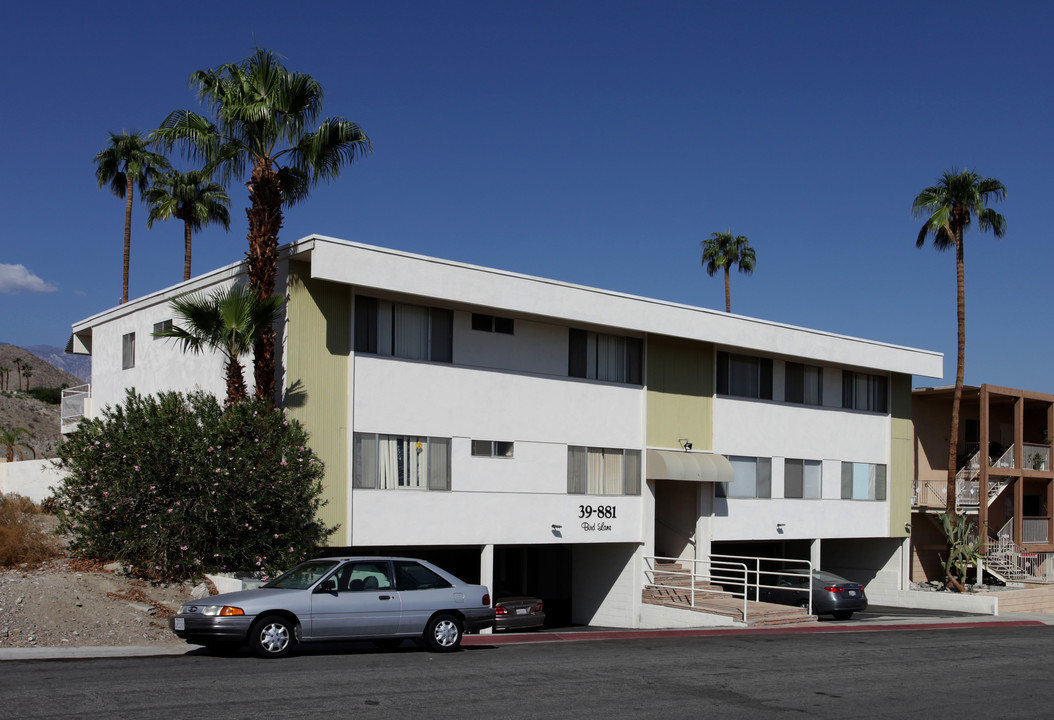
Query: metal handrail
(695, 576)
(757, 571)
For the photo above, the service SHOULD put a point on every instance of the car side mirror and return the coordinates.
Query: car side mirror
(327, 586)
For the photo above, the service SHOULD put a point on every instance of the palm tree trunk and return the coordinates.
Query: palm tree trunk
(129, 190)
(960, 367)
(728, 292)
(265, 220)
(235, 382)
(186, 250)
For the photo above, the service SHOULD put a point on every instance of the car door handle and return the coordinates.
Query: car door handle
(384, 597)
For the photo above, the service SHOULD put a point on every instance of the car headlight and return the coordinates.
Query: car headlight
(221, 610)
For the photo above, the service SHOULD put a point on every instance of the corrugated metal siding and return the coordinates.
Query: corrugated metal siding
(318, 345)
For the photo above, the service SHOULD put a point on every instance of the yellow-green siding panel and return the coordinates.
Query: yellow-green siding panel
(318, 345)
(680, 392)
(902, 456)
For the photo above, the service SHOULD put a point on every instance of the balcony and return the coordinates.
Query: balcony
(76, 403)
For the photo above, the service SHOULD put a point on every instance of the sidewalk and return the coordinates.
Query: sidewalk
(580, 634)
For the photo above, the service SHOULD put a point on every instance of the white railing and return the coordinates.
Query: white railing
(759, 578)
(1034, 530)
(74, 402)
(1006, 460)
(699, 579)
(1037, 457)
(1012, 561)
(931, 494)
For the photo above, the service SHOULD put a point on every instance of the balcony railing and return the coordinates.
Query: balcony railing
(75, 402)
(1035, 530)
(1037, 457)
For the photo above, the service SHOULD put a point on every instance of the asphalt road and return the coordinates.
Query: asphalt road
(888, 674)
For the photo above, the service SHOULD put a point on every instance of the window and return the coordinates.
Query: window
(597, 356)
(394, 462)
(804, 384)
(753, 478)
(401, 330)
(163, 326)
(364, 576)
(491, 448)
(410, 575)
(128, 351)
(861, 391)
(603, 471)
(744, 376)
(491, 323)
(863, 481)
(802, 479)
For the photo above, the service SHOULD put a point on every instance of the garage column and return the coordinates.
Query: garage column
(702, 524)
(814, 553)
(486, 573)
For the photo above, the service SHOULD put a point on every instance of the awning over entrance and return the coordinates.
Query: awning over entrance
(693, 467)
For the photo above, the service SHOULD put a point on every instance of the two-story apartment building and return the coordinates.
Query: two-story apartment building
(552, 438)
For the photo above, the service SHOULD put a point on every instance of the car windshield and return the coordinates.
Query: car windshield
(303, 575)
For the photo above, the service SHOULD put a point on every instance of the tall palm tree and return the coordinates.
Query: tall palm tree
(18, 371)
(5, 373)
(190, 197)
(722, 250)
(127, 162)
(27, 372)
(261, 114)
(948, 207)
(11, 441)
(228, 321)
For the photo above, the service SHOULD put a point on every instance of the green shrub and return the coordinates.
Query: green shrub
(51, 396)
(22, 537)
(175, 486)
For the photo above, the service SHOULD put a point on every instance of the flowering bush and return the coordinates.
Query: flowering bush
(175, 485)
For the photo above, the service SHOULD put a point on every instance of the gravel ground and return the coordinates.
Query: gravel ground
(67, 602)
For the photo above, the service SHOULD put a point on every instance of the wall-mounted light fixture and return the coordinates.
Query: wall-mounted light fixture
(779, 528)
(685, 443)
(557, 527)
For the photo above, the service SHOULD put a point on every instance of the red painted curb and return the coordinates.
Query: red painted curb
(541, 637)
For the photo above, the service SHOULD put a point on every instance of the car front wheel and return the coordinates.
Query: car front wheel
(273, 637)
(444, 633)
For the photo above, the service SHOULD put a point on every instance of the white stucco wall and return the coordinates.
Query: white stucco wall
(606, 589)
(30, 478)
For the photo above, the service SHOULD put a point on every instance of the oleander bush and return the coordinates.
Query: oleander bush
(23, 538)
(177, 485)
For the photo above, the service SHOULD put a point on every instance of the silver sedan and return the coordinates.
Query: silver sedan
(385, 600)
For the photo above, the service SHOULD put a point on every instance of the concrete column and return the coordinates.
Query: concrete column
(486, 573)
(905, 564)
(702, 522)
(814, 553)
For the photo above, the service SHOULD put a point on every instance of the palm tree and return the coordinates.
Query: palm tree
(5, 372)
(11, 441)
(27, 372)
(127, 162)
(262, 112)
(948, 207)
(190, 197)
(723, 250)
(229, 321)
(18, 371)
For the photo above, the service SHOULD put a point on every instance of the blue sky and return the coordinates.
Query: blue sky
(596, 143)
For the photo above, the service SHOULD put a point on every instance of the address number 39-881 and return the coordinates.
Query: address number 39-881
(600, 511)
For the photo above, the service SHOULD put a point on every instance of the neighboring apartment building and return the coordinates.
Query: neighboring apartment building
(551, 438)
(1004, 479)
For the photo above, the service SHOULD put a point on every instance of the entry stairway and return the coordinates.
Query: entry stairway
(671, 586)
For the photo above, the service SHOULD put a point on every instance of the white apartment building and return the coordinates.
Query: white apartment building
(550, 439)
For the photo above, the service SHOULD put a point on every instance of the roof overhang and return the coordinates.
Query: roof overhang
(688, 466)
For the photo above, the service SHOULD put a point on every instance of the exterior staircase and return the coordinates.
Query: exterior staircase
(677, 593)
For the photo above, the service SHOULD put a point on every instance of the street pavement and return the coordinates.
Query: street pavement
(876, 619)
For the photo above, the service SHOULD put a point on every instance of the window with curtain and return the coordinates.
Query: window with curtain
(863, 481)
(401, 462)
(128, 351)
(752, 478)
(492, 448)
(861, 391)
(802, 479)
(603, 471)
(402, 330)
(598, 356)
(744, 376)
(803, 384)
